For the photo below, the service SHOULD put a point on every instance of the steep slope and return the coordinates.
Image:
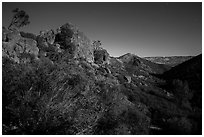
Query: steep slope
(185, 82)
(67, 88)
(190, 72)
(185, 69)
(62, 83)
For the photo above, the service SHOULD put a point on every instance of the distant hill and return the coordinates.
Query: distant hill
(188, 69)
(152, 67)
(171, 61)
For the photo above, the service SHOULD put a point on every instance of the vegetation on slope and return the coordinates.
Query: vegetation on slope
(61, 83)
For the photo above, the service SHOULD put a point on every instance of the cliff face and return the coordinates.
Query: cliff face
(59, 82)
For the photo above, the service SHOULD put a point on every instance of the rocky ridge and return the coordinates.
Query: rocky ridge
(64, 83)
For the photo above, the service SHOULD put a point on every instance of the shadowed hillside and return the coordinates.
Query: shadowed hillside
(190, 72)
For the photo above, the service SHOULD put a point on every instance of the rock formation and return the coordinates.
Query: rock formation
(62, 83)
(74, 42)
(101, 56)
(18, 48)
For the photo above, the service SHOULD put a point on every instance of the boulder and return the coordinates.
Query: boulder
(74, 42)
(101, 56)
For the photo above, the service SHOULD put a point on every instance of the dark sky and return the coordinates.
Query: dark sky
(144, 29)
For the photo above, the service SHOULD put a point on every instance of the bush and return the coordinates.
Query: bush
(26, 91)
(28, 35)
(179, 126)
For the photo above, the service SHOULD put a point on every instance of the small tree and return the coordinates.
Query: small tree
(20, 19)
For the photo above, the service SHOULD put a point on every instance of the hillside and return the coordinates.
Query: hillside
(62, 83)
(171, 61)
(190, 72)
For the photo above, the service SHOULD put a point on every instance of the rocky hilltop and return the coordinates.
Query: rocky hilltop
(61, 82)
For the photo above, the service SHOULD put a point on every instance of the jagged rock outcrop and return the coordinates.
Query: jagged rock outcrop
(62, 84)
(10, 35)
(101, 55)
(48, 35)
(74, 42)
(18, 48)
(45, 39)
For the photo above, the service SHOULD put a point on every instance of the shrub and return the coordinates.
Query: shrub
(28, 35)
(26, 92)
(179, 126)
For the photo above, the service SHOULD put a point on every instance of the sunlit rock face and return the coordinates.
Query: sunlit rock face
(18, 48)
